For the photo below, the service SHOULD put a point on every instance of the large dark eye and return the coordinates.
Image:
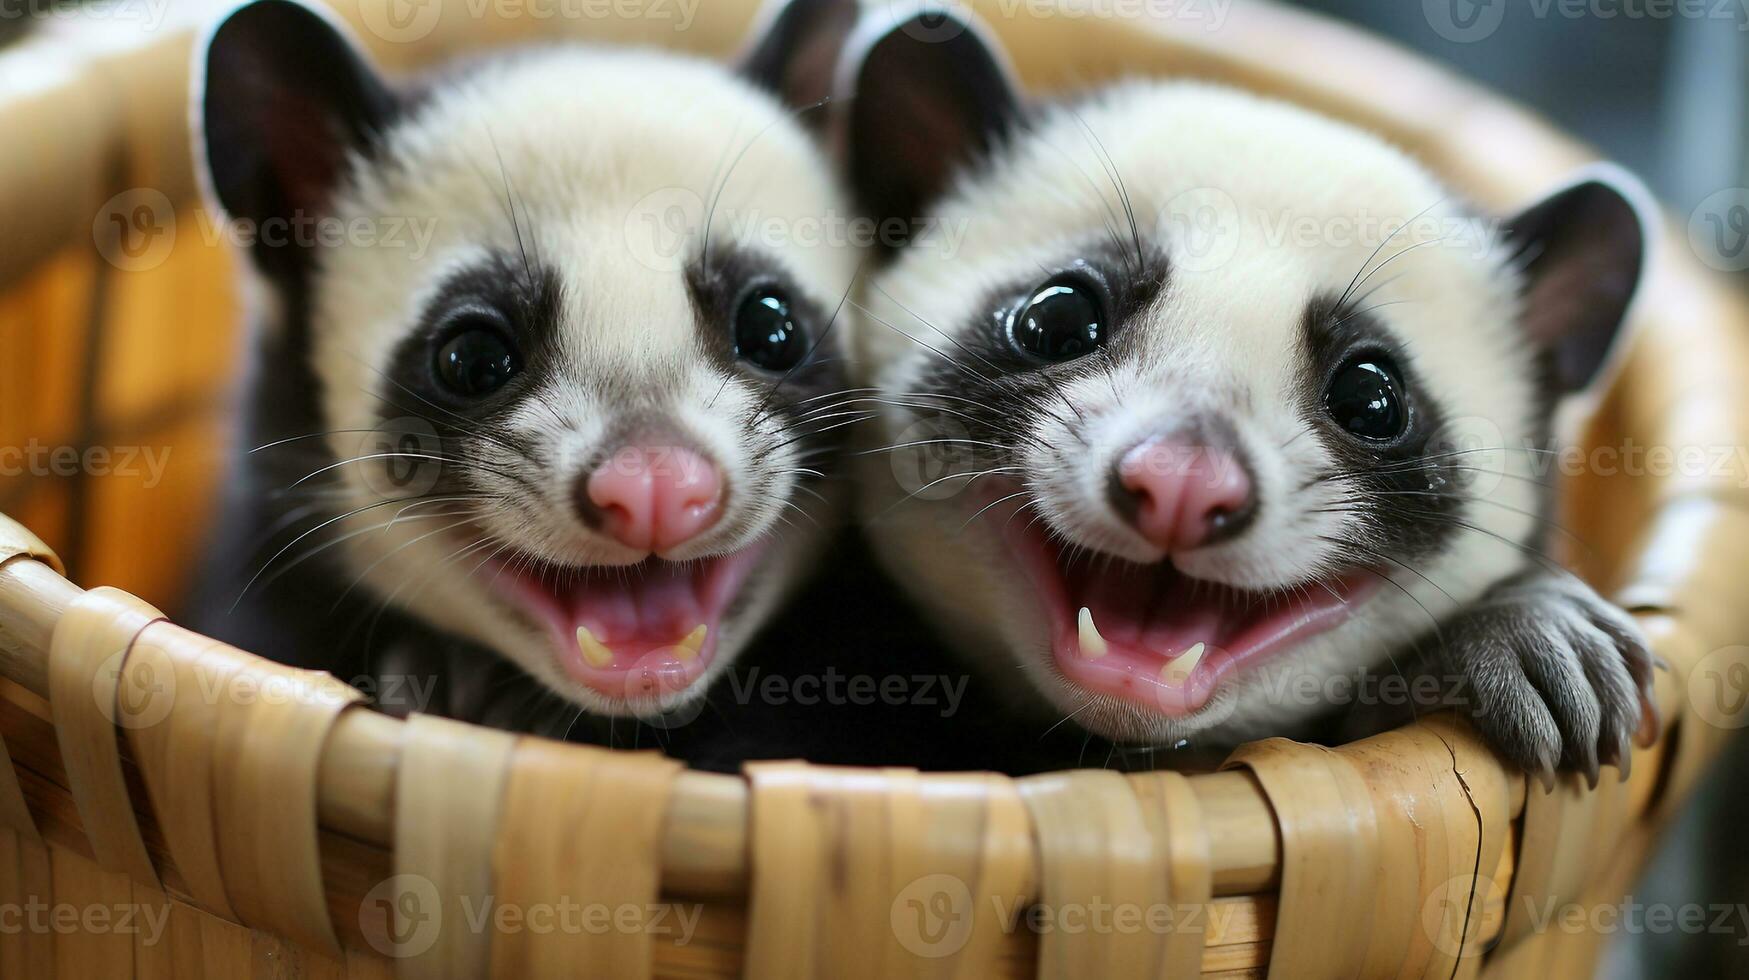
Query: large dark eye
(1364, 399)
(766, 332)
(476, 361)
(1060, 322)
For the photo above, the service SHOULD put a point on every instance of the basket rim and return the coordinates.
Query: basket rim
(1269, 49)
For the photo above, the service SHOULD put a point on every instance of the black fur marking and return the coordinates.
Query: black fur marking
(525, 302)
(1409, 490)
(288, 107)
(718, 282)
(1005, 387)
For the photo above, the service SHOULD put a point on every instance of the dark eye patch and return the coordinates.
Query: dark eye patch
(484, 343)
(756, 323)
(1385, 430)
(997, 388)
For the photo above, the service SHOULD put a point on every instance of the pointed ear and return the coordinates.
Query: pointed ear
(1582, 250)
(794, 50)
(927, 95)
(283, 101)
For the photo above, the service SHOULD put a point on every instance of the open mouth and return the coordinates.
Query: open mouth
(632, 633)
(1154, 637)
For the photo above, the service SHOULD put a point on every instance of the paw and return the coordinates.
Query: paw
(1557, 677)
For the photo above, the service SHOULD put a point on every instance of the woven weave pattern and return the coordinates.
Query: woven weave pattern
(250, 819)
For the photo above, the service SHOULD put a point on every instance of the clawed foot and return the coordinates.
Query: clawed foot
(1558, 678)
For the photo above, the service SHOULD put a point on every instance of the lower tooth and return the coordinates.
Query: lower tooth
(1091, 643)
(595, 652)
(688, 648)
(1178, 669)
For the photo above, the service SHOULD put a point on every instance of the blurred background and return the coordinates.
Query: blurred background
(1659, 85)
(1662, 88)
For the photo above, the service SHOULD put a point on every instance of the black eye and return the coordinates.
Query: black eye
(1061, 322)
(1363, 399)
(476, 361)
(766, 332)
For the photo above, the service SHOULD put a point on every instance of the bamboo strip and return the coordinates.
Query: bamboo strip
(1094, 844)
(924, 875)
(85, 886)
(586, 827)
(447, 806)
(273, 722)
(1330, 857)
(16, 541)
(1176, 822)
(14, 813)
(85, 661)
(25, 883)
(173, 732)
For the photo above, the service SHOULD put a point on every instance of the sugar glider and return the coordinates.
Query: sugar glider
(569, 418)
(1198, 406)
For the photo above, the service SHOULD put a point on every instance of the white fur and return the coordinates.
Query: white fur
(1225, 338)
(581, 136)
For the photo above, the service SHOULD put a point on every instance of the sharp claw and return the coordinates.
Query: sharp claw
(1651, 724)
(1591, 768)
(1545, 770)
(1624, 756)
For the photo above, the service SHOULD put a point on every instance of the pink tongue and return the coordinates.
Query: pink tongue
(1143, 607)
(654, 604)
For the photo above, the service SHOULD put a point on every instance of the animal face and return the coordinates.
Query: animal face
(1215, 397)
(578, 428)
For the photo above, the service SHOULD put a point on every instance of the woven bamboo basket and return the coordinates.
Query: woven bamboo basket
(273, 826)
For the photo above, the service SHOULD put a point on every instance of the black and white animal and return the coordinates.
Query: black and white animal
(1197, 404)
(558, 420)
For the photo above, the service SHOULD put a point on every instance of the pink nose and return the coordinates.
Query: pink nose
(1185, 495)
(656, 498)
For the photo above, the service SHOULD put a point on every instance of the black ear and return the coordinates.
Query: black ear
(795, 50)
(1582, 250)
(284, 100)
(929, 94)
